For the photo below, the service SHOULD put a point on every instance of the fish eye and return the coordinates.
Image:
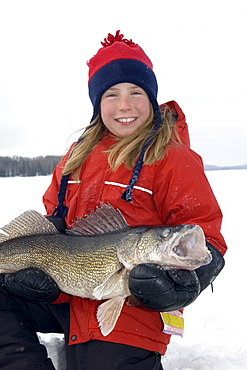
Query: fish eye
(166, 232)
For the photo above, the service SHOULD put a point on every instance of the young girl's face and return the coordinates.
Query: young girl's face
(124, 108)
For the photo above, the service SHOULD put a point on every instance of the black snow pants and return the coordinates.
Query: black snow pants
(20, 348)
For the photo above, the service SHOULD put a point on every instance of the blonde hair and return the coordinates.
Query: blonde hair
(125, 149)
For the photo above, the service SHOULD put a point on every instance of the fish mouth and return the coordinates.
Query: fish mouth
(190, 249)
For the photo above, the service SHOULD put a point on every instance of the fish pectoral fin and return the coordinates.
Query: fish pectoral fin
(108, 314)
(104, 289)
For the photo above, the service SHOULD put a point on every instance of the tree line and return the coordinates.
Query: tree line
(24, 166)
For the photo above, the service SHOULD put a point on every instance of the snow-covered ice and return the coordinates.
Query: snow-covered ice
(215, 324)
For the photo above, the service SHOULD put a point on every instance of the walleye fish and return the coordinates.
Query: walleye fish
(93, 260)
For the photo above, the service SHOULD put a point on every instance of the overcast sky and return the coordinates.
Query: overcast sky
(198, 49)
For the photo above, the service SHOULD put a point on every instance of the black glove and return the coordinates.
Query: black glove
(163, 290)
(33, 284)
(58, 222)
(169, 290)
(208, 273)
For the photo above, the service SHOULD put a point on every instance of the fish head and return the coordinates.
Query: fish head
(181, 246)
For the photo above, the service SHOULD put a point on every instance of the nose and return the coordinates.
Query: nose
(124, 104)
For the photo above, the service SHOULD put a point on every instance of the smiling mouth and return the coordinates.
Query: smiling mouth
(126, 120)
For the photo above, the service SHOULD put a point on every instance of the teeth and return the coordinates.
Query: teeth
(126, 120)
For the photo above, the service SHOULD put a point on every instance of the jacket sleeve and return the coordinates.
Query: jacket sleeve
(183, 194)
(50, 196)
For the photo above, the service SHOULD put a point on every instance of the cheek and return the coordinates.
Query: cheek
(106, 111)
(144, 108)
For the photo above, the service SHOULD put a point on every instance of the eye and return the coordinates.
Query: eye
(136, 92)
(111, 95)
(166, 233)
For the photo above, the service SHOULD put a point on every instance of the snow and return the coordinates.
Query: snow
(215, 324)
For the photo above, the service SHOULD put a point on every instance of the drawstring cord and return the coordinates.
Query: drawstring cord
(61, 210)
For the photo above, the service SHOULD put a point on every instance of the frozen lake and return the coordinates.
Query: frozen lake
(216, 324)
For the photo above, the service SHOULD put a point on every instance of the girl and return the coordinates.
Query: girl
(135, 155)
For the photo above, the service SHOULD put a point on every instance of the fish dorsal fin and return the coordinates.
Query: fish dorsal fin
(29, 222)
(104, 219)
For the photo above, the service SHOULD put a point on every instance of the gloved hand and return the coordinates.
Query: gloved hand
(169, 290)
(32, 284)
(208, 273)
(58, 222)
(163, 290)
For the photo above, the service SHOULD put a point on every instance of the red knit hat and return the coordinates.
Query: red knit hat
(120, 60)
(120, 48)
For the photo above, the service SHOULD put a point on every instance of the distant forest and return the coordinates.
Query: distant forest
(23, 166)
(42, 166)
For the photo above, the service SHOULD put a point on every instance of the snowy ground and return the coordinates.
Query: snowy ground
(216, 324)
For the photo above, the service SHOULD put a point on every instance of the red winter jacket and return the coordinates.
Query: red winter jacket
(172, 191)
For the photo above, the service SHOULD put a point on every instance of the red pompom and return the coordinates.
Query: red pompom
(118, 37)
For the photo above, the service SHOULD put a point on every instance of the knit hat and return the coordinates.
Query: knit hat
(118, 61)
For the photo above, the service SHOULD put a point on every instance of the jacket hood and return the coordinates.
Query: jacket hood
(182, 127)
